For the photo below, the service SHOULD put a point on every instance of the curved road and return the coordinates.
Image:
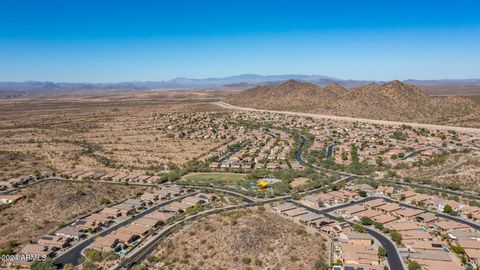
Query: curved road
(141, 253)
(350, 176)
(299, 158)
(393, 256)
(223, 189)
(74, 254)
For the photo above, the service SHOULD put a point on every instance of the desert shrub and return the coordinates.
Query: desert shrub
(93, 255)
(246, 260)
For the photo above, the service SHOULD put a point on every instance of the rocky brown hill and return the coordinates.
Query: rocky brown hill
(244, 239)
(390, 101)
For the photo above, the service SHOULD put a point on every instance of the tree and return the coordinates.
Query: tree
(362, 193)
(382, 252)
(89, 266)
(296, 196)
(413, 265)
(366, 221)
(354, 153)
(47, 264)
(398, 135)
(337, 186)
(105, 201)
(138, 267)
(378, 225)
(246, 260)
(359, 228)
(153, 259)
(458, 249)
(6, 251)
(447, 209)
(93, 255)
(321, 265)
(396, 236)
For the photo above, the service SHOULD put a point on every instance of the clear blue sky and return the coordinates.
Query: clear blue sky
(110, 41)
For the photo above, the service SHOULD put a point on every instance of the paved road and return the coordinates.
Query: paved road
(231, 152)
(298, 153)
(472, 224)
(351, 176)
(446, 216)
(352, 119)
(394, 260)
(10, 191)
(451, 192)
(74, 254)
(329, 152)
(299, 158)
(141, 253)
(223, 189)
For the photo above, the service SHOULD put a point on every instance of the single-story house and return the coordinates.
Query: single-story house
(8, 199)
(53, 241)
(374, 203)
(295, 212)
(135, 229)
(36, 250)
(284, 207)
(448, 225)
(389, 207)
(147, 222)
(160, 216)
(310, 200)
(308, 217)
(70, 232)
(149, 198)
(111, 212)
(384, 218)
(193, 200)
(408, 212)
(108, 243)
(92, 225)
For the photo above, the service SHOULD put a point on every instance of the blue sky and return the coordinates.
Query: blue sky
(111, 41)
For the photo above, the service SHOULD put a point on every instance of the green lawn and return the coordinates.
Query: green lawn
(236, 179)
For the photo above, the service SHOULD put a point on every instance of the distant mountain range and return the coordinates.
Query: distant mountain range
(239, 81)
(387, 101)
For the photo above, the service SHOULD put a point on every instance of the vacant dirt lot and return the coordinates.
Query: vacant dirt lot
(126, 132)
(458, 169)
(49, 204)
(244, 239)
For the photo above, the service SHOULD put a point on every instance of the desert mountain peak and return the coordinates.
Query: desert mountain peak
(336, 88)
(392, 100)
